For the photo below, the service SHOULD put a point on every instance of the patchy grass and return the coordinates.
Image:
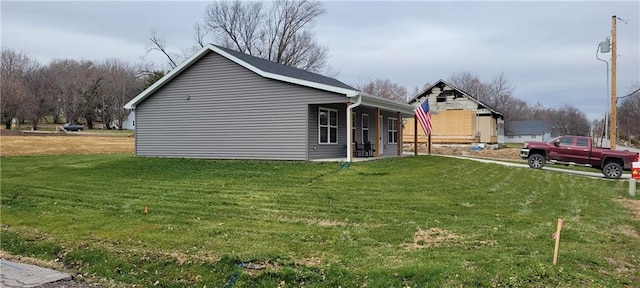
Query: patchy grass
(69, 144)
(422, 221)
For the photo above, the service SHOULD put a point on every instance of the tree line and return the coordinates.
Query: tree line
(76, 90)
(281, 31)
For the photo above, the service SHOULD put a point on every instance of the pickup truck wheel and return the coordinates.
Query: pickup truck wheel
(612, 170)
(537, 161)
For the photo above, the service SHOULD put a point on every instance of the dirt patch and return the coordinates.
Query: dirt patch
(465, 150)
(622, 267)
(433, 237)
(630, 231)
(180, 258)
(58, 144)
(315, 221)
(438, 237)
(633, 206)
(311, 262)
(325, 223)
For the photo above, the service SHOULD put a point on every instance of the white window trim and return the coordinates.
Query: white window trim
(365, 128)
(329, 126)
(392, 128)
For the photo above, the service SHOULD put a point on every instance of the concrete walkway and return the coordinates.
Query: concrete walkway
(17, 275)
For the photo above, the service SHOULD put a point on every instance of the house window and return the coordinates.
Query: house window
(441, 98)
(393, 130)
(365, 128)
(353, 127)
(328, 125)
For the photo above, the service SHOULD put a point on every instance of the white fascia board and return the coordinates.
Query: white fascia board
(387, 104)
(347, 92)
(144, 94)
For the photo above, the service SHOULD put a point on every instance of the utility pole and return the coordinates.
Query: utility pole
(612, 124)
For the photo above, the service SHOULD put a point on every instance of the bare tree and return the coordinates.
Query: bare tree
(384, 88)
(122, 83)
(471, 84)
(38, 102)
(280, 34)
(629, 113)
(157, 42)
(200, 33)
(497, 94)
(236, 24)
(568, 120)
(500, 93)
(74, 86)
(14, 68)
(599, 128)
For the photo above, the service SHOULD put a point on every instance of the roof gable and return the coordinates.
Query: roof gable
(262, 67)
(441, 82)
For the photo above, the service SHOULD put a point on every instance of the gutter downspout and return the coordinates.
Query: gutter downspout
(349, 121)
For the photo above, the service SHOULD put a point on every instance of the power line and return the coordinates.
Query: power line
(634, 92)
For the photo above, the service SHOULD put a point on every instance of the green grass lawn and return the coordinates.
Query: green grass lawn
(424, 221)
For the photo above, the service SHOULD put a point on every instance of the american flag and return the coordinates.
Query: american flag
(423, 115)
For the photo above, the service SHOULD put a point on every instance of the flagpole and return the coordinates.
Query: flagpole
(429, 143)
(415, 135)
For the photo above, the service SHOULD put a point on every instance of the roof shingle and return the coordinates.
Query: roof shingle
(281, 69)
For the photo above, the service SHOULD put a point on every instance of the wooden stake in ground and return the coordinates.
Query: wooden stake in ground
(557, 237)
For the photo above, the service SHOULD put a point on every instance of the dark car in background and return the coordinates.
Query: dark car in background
(71, 127)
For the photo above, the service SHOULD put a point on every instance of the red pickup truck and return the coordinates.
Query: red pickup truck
(578, 150)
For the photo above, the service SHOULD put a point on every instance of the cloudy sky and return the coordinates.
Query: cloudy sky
(545, 49)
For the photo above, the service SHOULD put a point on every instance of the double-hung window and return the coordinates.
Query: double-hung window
(393, 130)
(365, 128)
(328, 125)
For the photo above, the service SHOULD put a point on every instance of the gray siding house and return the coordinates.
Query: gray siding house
(528, 130)
(223, 104)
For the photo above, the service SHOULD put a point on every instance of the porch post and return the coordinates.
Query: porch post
(399, 129)
(378, 132)
(349, 129)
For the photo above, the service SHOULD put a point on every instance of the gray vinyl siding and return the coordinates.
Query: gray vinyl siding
(389, 149)
(327, 151)
(230, 113)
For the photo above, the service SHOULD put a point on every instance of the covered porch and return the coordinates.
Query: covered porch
(375, 127)
(365, 127)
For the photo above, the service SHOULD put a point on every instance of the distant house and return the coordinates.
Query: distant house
(528, 130)
(129, 122)
(457, 117)
(223, 104)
